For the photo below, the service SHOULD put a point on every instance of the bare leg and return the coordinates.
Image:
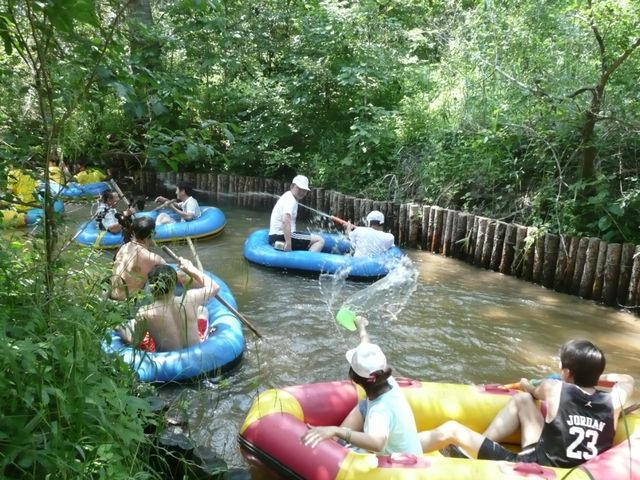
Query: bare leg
(317, 242)
(451, 432)
(521, 412)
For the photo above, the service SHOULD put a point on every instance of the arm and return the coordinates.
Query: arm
(367, 441)
(161, 199)
(184, 214)
(209, 287)
(361, 323)
(622, 387)
(132, 331)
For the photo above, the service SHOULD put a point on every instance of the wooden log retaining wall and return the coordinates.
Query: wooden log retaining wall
(587, 267)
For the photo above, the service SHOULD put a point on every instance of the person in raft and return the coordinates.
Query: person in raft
(185, 206)
(107, 217)
(579, 423)
(370, 241)
(282, 227)
(383, 422)
(172, 321)
(134, 261)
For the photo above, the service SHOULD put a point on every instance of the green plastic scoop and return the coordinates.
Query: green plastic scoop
(346, 318)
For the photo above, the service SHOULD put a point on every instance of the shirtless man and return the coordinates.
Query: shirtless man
(134, 261)
(171, 320)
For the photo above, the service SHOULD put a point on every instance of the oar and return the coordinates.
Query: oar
(218, 297)
(330, 217)
(555, 376)
(115, 186)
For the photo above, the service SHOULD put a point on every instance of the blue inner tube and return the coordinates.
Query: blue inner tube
(79, 190)
(218, 353)
(210, 223)
(333, 258)
(35, 215)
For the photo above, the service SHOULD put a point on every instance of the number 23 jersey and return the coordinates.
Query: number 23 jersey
(582, 428)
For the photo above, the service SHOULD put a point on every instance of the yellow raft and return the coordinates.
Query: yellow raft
(270, 436)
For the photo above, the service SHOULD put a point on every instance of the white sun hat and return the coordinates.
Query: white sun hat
(302, 182)
(366, 358)
(375, 216)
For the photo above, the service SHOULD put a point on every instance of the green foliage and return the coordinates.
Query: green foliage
(503, 108)
(67, 410)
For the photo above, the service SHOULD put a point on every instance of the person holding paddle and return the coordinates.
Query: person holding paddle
(134, 261)
(370, 241)
(107, 217)
(282, 226)
(172, 320)
(185, 206)
(384, 421)
(579, 423)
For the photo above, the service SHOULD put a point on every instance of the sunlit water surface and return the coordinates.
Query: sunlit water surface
(460, 325)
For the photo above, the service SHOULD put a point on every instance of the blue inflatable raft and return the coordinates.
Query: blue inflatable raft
(35, 215)
(333, 258)
(209, 224)
(221, 351)
(79, 190)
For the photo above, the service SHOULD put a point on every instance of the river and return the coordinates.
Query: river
(461, 325)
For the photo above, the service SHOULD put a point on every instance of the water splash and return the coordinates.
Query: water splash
(381, 301)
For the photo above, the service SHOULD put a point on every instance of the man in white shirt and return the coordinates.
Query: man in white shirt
(186, 206)
(282, 227)
(370, 241)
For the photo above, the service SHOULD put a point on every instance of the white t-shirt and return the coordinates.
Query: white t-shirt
(287, 203)
(191, 205)
(391, 415)
(107, 214)
(369, 242)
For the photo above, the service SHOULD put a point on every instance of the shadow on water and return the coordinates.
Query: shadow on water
(460, 325)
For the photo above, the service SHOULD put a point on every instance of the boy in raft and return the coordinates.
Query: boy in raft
(107, 217)
(186, 206)
(282, 226)
(172, 321)
(371, 240)
(384, 421)
(580, 421)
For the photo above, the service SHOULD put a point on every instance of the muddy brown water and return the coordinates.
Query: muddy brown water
(461, 325)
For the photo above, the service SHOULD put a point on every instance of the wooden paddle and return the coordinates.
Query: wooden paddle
(218, 297)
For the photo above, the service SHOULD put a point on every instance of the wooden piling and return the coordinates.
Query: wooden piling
(448, 232)
(508, 249)
(611, 274)
(414, 225)
(589, 271)
(624, 277)
(551, 244)
(634, 281)
(459, 235)
(424, 238)
(538, 258)
(598, 279)
(487, 247)
(528, 254)
(498, 245)
(578, 269)
(518, 251)
(436, 239)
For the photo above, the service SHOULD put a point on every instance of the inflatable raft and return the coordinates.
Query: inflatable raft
(333, 258)
(31, 216)
(209, 224)
(79, 190)
(270, 436)
(221, 351)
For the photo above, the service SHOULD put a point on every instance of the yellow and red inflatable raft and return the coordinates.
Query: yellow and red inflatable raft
(270, 436)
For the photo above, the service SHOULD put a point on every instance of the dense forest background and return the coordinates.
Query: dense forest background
(523, 110)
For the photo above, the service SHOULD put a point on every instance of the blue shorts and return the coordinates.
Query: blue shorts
(299, 240)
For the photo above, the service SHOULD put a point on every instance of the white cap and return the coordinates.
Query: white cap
(302, 182)
(366, 358)
(375, 216)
